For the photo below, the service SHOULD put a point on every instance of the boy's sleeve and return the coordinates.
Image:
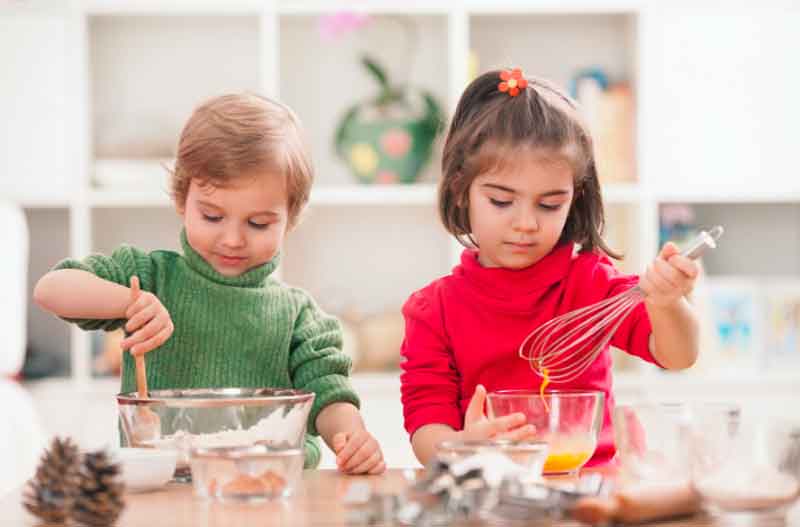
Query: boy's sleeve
(317, 362)
(124, 263)
(430, 382)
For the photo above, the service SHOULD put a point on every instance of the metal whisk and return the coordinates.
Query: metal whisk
(562, 348)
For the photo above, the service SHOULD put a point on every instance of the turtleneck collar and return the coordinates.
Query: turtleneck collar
(254, 277)
(510, 284)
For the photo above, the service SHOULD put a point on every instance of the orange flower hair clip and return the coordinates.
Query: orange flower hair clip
(512, 81)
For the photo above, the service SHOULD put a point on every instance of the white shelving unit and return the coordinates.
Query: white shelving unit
(114, 81)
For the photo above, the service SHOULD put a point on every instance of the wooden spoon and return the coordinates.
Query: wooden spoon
(146, 423)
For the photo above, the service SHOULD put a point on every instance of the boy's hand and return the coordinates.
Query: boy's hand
(149, 323)
(478, 426)
(358, 452)
(670, 277)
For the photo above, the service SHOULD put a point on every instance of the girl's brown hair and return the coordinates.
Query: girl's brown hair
(489, 124)
(230, 135)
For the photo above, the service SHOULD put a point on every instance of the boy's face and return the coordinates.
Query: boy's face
(517, 213)
(237, 227)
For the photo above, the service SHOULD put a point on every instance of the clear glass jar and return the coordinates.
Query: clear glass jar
(651, 442)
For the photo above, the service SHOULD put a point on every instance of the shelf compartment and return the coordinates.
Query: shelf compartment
(38, 101)
(147, 73)
(760, 239)
(562, 47)
(372, 276)
(147, 228)
(48, 336)
(528, 40)
(413, 50)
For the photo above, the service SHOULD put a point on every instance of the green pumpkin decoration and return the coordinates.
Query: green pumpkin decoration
(389, 139)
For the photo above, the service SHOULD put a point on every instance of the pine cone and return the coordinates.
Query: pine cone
(99, 501)
(50, 494)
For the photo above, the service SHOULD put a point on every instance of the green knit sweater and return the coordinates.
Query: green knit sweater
(246, 331)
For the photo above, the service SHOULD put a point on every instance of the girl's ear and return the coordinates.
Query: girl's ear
(180, 208)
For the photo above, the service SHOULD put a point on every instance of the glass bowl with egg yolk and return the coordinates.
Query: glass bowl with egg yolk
(568, 420)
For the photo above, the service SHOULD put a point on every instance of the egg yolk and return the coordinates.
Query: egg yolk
(543, 386)
(565, 461)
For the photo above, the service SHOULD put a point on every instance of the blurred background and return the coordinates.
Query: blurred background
(693, 105)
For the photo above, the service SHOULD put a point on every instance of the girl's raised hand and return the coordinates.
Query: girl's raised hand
(149, 324)
(358, 452)
(478, 426)
(669, 278)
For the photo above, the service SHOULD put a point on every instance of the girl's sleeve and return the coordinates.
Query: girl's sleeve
(429, 382)
(633, 335)
(124, 263)
(317, 362)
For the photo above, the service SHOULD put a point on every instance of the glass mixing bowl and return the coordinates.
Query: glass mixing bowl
(225, 417)
(568, 421)
(746, 471)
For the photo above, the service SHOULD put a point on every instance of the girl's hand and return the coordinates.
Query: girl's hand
(149, 323)
(358, 452)
(669, 278)
(478, 426)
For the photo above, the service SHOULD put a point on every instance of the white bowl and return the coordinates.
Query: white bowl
(146, 468)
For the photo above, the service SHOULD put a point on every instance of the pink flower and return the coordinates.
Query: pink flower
(335, 25)
(396, 142)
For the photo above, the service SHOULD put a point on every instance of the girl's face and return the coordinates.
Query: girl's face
(239, 226)
(517, 213)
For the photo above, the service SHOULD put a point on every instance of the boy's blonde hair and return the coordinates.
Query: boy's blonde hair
(230, 135)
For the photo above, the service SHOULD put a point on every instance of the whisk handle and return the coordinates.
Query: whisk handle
(704, 240)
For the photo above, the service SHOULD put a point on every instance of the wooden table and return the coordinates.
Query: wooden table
(317, 502)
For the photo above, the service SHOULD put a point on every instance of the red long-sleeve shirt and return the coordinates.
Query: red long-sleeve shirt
(465, 329)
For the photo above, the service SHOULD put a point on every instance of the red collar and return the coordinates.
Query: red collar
(503, 283)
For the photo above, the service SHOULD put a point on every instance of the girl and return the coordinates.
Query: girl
(520, 190)
(213, 316)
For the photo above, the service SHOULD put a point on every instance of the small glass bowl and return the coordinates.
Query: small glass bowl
(568, 420)
(245, 473)
(528, 454)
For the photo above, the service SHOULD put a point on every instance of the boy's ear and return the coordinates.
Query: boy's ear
(180, 208)
(293, 222)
